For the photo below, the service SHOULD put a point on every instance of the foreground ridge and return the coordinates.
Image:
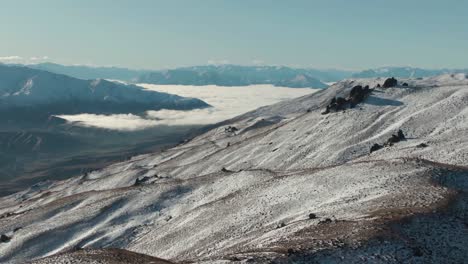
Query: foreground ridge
(284, 184)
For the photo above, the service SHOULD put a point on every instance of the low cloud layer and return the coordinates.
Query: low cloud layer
(227, 102)
(23, 60)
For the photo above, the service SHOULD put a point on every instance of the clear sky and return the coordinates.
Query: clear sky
(154, 34)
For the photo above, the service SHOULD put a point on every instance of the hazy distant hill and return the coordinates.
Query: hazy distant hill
(229, 75)
(404, 72)
(27, 93)
(234, 75)
(88, 72)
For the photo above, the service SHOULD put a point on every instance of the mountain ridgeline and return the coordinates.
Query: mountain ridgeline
(233, 75)
(30, 94)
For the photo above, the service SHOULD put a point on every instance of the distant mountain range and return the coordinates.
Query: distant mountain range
(404, 72)
(89, 73)
(236, 75)
(225, 75)
(27, 93)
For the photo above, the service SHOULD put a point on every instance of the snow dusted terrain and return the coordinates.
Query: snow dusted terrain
(281, 184)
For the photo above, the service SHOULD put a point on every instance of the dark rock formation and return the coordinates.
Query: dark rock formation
(392, 140)
(390, 82)
(4, 238)
(375, 147)
(281, 225)
(405, 84)
(356, 96)
(401, 136)
(326, 221)
(422, 145)
(142, 180)
(312, 216)
(230, 129)
(378, 85)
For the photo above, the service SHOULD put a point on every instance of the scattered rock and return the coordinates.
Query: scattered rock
(395, 138)
(228, 144)
(390, 82)
(392, 140)
(231, 129)
(325, 221)
(4, 238)
(422, 145)
(401, 136)
(405, 84)
(375, 147)
(280, 225)
(141, 181)
(225, 170)
(234, 258)
(312, 216)
(378, 85)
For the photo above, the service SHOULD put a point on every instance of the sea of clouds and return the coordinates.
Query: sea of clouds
(227, 102)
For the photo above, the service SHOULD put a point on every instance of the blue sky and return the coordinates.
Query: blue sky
(155, 34)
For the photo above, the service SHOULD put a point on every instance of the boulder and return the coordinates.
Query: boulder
(281, 225)
(4, 238)
(312, 216)
(405, 84)
(326, 221)
(401, 136)
(231, 129)
(358, 94)
(392, 140)
(375, 147)
(139, 181)
(390, 82)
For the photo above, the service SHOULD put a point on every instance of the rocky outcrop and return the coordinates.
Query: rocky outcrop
(4, 238)
(390, 82)
(392, 140)
(357, 95)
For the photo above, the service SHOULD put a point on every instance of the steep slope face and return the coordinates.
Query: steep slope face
(283, 183)
(26, 92)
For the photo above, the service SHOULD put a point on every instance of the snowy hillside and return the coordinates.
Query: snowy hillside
(284, 183)
(22, 87)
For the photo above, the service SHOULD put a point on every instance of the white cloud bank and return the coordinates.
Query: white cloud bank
(23, 60)
(227, 102)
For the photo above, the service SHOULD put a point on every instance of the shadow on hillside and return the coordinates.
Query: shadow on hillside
(372, 100)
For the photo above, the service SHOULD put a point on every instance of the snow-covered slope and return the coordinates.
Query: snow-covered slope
(283, 183)
(22, 87)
